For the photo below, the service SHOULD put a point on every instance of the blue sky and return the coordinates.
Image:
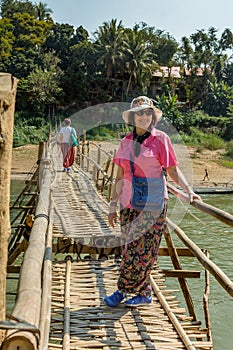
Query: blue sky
(177, 17)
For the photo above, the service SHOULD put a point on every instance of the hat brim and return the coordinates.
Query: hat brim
(126, 114)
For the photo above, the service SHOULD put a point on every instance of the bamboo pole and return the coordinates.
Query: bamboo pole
(219, 214)
(206, 304)
(45, 315)
(28, 301)
(187, 342)
(8, 87)
(219, 275)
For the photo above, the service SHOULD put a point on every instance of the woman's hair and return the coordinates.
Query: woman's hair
(67, 121)
(132, 122)
(131, 119)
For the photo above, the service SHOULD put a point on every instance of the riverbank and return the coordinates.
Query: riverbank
(25, 157)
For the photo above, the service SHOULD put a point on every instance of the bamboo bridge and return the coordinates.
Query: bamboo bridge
(70, 259)
(58, 247)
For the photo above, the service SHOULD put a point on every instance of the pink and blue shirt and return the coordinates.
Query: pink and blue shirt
(156, 154)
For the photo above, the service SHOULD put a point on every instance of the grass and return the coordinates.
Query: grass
(226, 163)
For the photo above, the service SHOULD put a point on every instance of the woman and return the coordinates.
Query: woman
(144, 153)
(68, 149)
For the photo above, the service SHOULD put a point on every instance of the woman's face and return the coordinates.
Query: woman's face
(143, 118)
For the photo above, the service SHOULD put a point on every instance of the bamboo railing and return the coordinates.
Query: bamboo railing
(103, 183)
(8, 87)
(28, 303)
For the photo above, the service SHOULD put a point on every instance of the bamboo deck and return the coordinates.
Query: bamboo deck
(80, 320)
(80, 213)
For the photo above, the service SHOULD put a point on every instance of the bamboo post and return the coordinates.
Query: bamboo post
(88, 152)
(28, 303)
(99, 155)
(176, 263)
(41, 154)
(95, 173)
(41, 169)
(98, 164)
(83, 148)
(66, 326)
(8, 86)
(105, 178)
(206, 303)
(111, 179)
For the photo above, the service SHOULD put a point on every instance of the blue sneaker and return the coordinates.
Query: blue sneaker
(138, 300)
(114, 299)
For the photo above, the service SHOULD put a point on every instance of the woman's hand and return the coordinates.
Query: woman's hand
(192, 195)
(177, 176)
(112, 218)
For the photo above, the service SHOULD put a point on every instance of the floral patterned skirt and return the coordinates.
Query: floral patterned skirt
(143, 232)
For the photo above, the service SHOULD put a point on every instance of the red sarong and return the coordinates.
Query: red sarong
(68, 154)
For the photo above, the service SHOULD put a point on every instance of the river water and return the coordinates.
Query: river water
(208, 233)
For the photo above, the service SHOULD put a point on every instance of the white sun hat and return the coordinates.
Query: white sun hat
(137, 104)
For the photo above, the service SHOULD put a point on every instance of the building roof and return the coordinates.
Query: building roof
(174, 72)
(199, 71)
(165, 72)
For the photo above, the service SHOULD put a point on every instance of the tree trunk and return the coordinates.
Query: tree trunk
(8, 86)
(129, 83)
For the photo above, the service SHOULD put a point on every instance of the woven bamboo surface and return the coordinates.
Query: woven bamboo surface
(92, 325)
(80, 212)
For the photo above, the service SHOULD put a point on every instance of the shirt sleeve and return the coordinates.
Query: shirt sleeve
(167, 153)
(122, 156)
(118, 156)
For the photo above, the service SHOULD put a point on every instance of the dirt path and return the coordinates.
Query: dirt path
(24, 157)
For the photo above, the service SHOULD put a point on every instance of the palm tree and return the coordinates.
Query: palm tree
(108, 43)
(43, 12)
(140, 61)
(186, 53)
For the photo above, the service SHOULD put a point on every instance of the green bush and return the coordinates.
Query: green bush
(229, 149)
(101, 133)
(203, 139)
(213, 142)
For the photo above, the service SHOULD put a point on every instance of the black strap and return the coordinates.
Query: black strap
(131, 164)
(41, 216)
(138, 140)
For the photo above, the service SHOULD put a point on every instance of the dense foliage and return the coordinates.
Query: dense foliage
(61, 70)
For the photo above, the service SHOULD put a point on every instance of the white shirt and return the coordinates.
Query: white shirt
(65, 134)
